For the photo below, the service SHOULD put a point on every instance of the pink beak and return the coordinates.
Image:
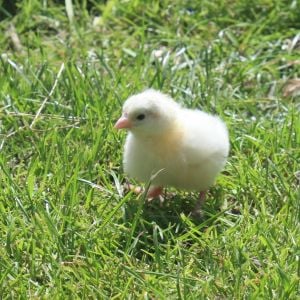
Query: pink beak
(122, 123)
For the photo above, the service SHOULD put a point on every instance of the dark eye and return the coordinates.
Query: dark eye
(141, 117)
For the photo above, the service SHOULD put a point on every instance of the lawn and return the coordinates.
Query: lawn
(68, 227)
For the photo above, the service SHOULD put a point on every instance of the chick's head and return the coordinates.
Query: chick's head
(149, 112)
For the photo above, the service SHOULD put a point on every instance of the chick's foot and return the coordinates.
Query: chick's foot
(154, 192)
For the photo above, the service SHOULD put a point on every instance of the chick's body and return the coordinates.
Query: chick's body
(188, 148)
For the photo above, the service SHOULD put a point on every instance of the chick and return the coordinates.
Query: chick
(185, 148)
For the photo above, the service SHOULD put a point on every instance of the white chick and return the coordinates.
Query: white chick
(186, 148)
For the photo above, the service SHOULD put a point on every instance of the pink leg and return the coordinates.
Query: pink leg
(199, 203)
(154, 191)
(202, 196)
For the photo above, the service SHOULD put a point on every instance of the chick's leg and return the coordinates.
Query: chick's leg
(199, 203)
(154, 191)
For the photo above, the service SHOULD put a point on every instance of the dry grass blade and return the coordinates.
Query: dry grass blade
(96, 186)
(48, 97)
(292, 88)
(15, 40)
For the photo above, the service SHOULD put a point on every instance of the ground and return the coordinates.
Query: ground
(68, 227)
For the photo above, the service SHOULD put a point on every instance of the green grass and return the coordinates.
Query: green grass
(67, 228)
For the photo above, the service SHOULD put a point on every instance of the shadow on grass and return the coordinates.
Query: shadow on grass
(151, 224)
(161, 213)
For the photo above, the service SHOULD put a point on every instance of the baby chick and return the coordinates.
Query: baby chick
(185, 148)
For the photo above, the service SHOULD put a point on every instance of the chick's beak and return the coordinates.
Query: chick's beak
(123, 122)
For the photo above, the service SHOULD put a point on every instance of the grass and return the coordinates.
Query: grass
(68, 230)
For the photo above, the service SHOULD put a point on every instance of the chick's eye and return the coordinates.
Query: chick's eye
(141, 117)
